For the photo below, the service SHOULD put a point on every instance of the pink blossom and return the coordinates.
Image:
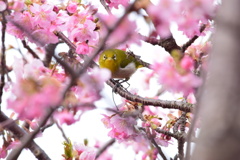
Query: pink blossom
(139, 144)
(3, 6)
(169, 11)
(187, 63)
(191, 98)
(18, 5)
(151, 153)
(7, 146)
(43, 37)
(3, 152)
(173, 80)
(24, 19)
(116, 3)
(82, 48)
(90, 86)
(197, 51)
(72, 7)
(32, 91)
(81, 27)
(61, 22)
(125, 34)
(106, 121)
(194, 13)
(43, 14)
(65, 117)
(83, 32)
(121, 128)
(161, 141)
(85, 152)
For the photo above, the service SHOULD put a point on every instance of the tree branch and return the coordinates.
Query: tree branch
(187, 107)
(3, 60)
(29, 49)
(27, 139)
(174, 135)
(103, 148)
(18, 132)
(186, 45)
(169, 44)
(156, 145)
(181, 140)
(105, 6)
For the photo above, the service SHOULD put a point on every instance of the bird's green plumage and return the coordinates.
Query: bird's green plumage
(119, 63)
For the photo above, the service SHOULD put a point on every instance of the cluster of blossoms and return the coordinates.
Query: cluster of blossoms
(34, 83)
(39, 22)
(38, 88)
(78, 151)
(188, 15)
(177, 78)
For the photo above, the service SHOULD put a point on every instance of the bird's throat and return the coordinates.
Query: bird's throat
(111, 65)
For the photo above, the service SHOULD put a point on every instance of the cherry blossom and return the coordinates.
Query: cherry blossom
(31, 90)
(116, 3)
(84, 152)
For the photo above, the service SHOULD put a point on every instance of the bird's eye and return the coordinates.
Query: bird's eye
(115, 57)
(104, 57)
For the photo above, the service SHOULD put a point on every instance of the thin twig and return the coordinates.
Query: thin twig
(103, 148)
(29, 49)
(63, 133)
(156, 145)
(105, 6)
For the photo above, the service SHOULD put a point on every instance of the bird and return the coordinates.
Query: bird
(121, 65)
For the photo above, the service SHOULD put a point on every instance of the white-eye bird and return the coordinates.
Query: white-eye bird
(121, 65)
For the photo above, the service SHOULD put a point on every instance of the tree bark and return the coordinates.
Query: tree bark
(219, 138)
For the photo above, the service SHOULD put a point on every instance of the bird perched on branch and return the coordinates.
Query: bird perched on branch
(121, 64)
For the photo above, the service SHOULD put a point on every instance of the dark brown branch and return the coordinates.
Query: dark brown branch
(186, 45)
(29, 49)
(103, 148)
(169, 44)
(3, 58)
(181, 140)
(174, 135)
(18, 132)
(156, 145)
(148, 101)
(145, 64)
(50, 49)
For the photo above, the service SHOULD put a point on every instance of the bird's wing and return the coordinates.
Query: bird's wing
(126, 61)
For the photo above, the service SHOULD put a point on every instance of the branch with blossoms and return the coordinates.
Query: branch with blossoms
(145, 101)
(27, 139)
(72, 82)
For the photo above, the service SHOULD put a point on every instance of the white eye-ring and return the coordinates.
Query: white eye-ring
(115, 57)
(104, 57)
